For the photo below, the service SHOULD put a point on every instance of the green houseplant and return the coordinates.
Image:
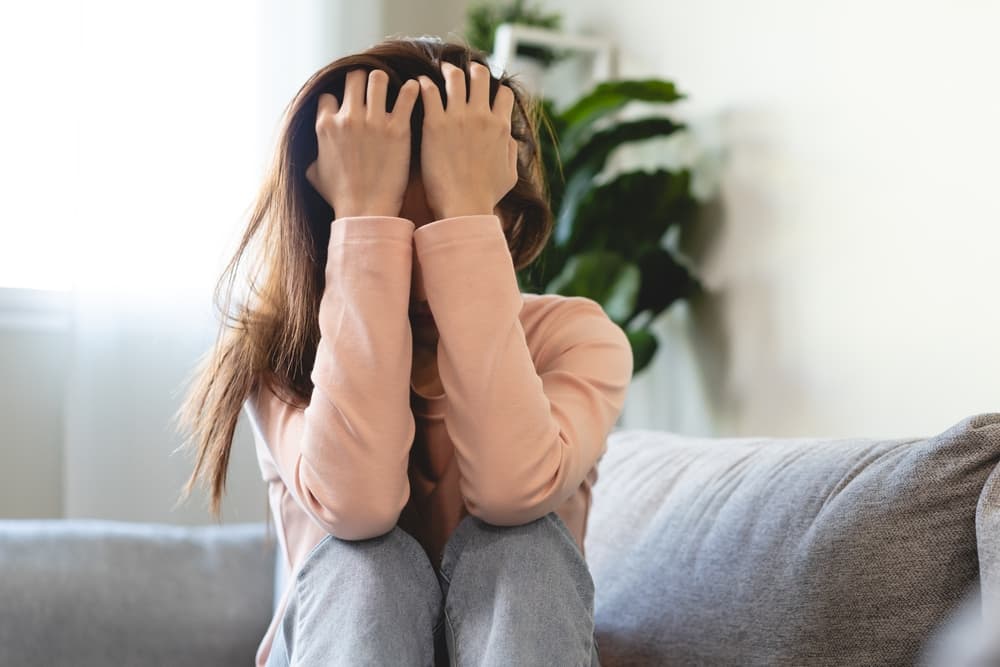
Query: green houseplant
(482, 21)
(608, 240)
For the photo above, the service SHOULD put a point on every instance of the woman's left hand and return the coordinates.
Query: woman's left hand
(468, 158)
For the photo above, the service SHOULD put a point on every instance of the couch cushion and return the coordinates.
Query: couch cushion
(788, 551)
(96, 592)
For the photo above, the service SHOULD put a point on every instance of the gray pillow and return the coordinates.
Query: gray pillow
(96, 593)
(788, 551)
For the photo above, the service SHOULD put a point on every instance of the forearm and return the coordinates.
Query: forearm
(358, 426)
(524, 438)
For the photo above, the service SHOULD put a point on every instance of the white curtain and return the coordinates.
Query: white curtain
(142, 131)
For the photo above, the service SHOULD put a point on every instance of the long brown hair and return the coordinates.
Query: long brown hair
(273, 334)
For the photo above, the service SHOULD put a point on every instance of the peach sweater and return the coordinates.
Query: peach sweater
(533, 383)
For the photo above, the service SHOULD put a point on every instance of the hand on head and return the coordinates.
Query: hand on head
(362, 166)
(468, 158)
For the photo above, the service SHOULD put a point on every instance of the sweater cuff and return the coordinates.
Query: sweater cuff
(446, 231)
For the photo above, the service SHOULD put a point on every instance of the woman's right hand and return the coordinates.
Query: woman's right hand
(363, 161)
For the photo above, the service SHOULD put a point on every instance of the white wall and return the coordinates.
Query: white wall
(854, 251)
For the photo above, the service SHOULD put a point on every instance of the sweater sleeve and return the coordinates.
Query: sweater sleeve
(344, 457)
(525, 437)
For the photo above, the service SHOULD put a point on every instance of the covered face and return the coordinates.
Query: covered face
(415, 208)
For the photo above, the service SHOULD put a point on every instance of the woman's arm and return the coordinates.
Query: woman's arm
(344, 458)
(525, 438)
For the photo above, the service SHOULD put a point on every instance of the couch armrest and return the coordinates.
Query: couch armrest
(99, 592)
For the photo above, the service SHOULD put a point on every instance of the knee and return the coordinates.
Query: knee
(392, 560)
(544, 545)
(387, 580)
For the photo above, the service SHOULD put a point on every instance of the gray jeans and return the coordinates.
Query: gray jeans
(504, 595)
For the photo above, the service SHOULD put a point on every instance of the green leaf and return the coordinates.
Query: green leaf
(613, 94)
(586, 164)
(482, 20)
(610, 96)
(548, 143)
(644, 345)
(599, 145)
(577, 189)
(665, 279)
(606, 277)
(632, 210)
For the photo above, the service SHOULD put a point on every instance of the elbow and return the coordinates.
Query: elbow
(506, 513)
(360, 526)
(351, 514)
(516, 496)
(509, 506)
(497, 515)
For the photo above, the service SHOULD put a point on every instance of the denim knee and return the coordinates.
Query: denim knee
(517, 594)
(547, 530)
(390, 552)
(545, 543)
(393, 563)
(381, 594)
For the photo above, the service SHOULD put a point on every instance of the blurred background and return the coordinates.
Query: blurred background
(830, 249)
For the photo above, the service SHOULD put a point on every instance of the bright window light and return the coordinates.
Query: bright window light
(130, 142)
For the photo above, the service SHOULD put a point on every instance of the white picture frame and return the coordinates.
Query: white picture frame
(601, 52)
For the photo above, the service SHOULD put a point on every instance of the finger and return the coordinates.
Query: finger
(406, 99)
(503, 103)
(454, 85)
(354, 90)
(430, 95)
(378, 81)
(479, 86)
(327, 104)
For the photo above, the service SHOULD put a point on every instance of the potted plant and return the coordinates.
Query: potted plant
(608, 239)
(483, 19)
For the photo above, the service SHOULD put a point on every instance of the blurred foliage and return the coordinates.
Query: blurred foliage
(482, 21)
(608, 243)
(608, 240)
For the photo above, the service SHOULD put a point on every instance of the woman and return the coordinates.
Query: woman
(428, 433)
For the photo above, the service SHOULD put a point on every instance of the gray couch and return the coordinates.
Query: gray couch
(722, 551)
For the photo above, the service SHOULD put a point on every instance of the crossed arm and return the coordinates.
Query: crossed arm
(527, 424)
(525, 437)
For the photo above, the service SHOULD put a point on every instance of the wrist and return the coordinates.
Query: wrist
(457, 210)
(378, 211)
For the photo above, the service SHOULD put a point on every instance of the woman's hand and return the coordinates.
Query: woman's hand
(363, 165)
(468, 158)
